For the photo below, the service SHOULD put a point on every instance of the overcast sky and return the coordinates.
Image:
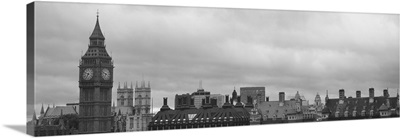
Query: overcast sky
(175, 47)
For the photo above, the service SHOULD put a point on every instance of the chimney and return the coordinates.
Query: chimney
(386, 93)
(267, 99)
(371, 95)
(165, 99)
(165, 106)
(358, 94)
(281, 96)
(341, 94)
(227, 104)
(238, 99)
(207, 99)
(371, 92)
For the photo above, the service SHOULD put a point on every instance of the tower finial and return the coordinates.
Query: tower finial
(97, 13)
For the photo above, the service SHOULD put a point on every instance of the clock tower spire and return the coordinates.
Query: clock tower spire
(95, 85)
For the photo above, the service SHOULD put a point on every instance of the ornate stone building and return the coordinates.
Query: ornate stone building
(95, 85)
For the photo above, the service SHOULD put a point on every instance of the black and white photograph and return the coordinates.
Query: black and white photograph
(109, 68)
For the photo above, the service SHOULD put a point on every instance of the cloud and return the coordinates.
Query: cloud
(175, 47)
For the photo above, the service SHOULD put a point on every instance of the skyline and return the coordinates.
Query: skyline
(157, 54)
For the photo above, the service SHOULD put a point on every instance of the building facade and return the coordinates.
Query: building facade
(95, 85)
(344, 108)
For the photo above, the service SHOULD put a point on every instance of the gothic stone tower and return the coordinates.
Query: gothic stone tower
(125, 95)
(142, 98)
(95, 85)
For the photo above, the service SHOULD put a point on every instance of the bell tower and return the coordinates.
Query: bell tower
(95, 85)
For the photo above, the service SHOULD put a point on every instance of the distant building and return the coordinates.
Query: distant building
(256, 93)
(197, 98)
(343, 108)
(297, 96)
(281, 111)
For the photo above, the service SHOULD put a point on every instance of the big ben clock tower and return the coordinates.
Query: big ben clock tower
(95, 85)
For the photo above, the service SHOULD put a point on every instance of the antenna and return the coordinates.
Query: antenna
(97, 13)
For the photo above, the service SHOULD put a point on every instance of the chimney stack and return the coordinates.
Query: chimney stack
(281, 96)
(226, 98)
(385, 93)
(341, 94)
(358, 94)
(371, 92)
(371, 95)
(165, 106)
(165, 99)
(267, 99)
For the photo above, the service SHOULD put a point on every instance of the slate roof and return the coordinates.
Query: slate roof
(360, 104)
(58, 110)
(272, 108)
(97, 34)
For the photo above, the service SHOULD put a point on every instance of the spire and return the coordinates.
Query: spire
(34, 115)
(42, 110)
(97, 34)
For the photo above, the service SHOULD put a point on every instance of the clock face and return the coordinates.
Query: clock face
(105, 73)
(87, 74)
